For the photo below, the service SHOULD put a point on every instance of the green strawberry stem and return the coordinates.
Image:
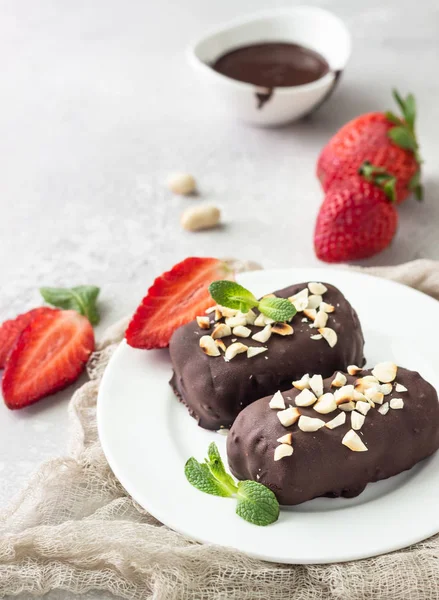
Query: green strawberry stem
(379, 177)
(403, 134)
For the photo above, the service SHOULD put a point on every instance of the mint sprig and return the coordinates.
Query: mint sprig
(255, 503)
(81, 298)
(235, 296)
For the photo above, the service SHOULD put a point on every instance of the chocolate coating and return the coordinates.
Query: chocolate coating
(216, 391)
(320, 464)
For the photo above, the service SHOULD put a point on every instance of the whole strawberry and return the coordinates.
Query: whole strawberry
(357, 218)
(383, 139)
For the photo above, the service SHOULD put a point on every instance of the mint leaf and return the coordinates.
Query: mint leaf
(403, 138)
(256, 503)
(232, 295)
(216, 466)
(81, 298)
(279, 309)
(200, 476)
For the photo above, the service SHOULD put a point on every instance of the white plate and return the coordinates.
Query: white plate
(147, 436)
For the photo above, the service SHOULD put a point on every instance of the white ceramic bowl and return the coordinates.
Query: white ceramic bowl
(309, 26)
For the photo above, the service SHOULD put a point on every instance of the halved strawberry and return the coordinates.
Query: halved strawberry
(10, 330)
(175, 298)
(50, 353)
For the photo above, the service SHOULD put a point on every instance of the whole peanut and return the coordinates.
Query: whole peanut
(182, 183)
(201, 216)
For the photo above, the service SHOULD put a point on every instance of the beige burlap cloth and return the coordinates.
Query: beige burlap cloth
(74, 528)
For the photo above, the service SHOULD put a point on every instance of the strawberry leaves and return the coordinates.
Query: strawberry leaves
(408, 108)
(379, 177)
(404, 135)
(416, 187)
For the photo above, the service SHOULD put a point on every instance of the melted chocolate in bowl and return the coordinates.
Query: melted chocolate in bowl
(272, 64)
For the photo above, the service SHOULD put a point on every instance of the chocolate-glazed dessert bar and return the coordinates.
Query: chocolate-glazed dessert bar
(333, 437)
(224, 361)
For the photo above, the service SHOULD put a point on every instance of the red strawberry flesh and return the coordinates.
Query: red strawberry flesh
(175, 298)
(11, 329)
(50, 353)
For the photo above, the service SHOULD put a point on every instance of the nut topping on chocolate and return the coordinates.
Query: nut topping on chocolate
(375, 396)
(263, 335)
(228, 312)
(316, 384)
(254, 351)
(282, 451)
(384, 409)
(354, 370)
(347, 406)
(286, 439)
(241, 331)
(203, 322)
(236, 321)
(385, 372)
(353, 441)
(317, 336)
(289, 416)
(386, 388)
(221, 330)
(261, 321)
(309, 424)
(303, 383)
(339, 380)
(300, 300)
(396, 403)
(277, 402)
(234, 349)
(328, 308)
(368, 382)
(314, 301)
(362, 407)
(305, 398)
(320, 320)
(325, 404)
(329, 335)
(221, 345)
(400, 388)
(317, 288)
(208, 346)
(310, 313)
(344, 394)
(357, 420)
(340, 419)
(359, 397)
(282, 329)
(250, 317)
